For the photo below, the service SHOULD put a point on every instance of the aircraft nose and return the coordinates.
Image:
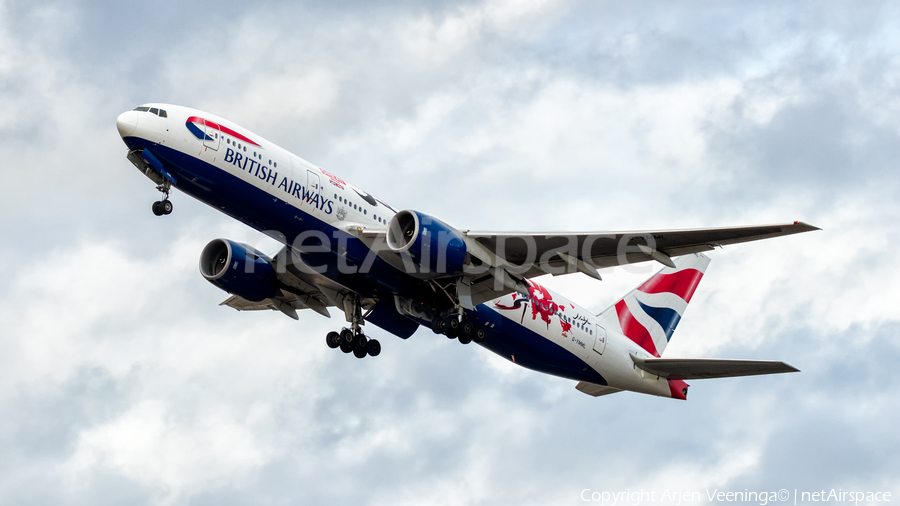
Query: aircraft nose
(126, 123)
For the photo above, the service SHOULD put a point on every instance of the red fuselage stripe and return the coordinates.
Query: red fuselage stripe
(223, 129)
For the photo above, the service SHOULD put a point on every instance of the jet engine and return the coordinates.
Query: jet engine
(239, 269)
(434, 248)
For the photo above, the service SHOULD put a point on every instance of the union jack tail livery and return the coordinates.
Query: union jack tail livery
(649, 314)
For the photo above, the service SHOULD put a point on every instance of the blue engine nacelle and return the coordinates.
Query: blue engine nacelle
(435, 248)
(239, 269)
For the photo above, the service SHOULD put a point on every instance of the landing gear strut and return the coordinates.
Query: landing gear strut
(164, 206)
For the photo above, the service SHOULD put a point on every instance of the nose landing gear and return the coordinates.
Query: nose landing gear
(164, 206)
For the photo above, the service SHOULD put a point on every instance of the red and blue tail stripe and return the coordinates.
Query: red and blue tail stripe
(680, 283)
(666, 317)
(649, 314)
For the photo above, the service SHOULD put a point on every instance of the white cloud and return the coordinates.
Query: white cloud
(164, 454)
(498, 115)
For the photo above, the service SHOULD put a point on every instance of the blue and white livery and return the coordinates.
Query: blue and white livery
(398, 270)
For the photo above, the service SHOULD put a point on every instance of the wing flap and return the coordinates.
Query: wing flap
(703, 368)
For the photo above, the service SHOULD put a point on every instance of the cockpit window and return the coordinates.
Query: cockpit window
(153, 110)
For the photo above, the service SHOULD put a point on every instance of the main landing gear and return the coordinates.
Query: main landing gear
(353, 341)
(164, 206)
(455, 327)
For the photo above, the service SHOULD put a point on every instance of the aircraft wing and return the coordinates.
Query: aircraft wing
(703, 368)
(608, 249)
(526, 255)
(505, 259)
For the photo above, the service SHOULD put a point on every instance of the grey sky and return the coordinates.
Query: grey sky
(123, 382)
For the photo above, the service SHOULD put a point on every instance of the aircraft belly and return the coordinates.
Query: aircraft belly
(557, 340)
(526, 346)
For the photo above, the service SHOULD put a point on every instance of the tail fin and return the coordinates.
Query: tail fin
(649, 314)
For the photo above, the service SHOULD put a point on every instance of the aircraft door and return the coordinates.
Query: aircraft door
(312, 184)
(600, 341)
(212, 136)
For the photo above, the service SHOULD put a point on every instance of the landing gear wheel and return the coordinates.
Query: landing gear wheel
(466, 329)
(479, 335)
(451, 326)
(346, 347)
(373, 347)
(438, 326)
(360, 341)
(165, 206)
(464, 339)
(346, 337)
(156, 210)
(333, 340)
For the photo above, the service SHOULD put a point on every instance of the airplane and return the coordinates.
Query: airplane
(344, 248)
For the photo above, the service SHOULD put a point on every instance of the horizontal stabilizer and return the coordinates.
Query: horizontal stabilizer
(595, 389)
(702, 368)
